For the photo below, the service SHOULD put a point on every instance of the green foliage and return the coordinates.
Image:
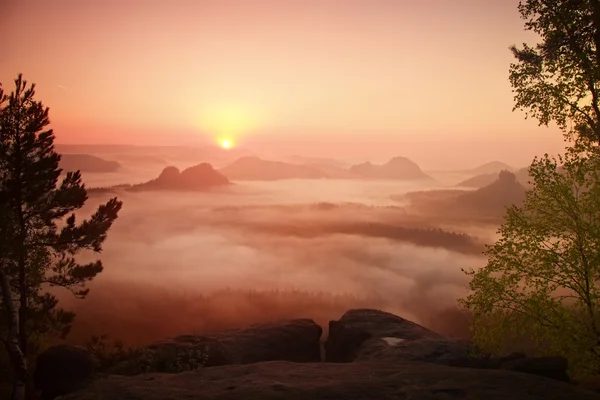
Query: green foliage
(541, 276)
(558, 80)
(40, 238)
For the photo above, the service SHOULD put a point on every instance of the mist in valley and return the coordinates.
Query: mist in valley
(198, 262)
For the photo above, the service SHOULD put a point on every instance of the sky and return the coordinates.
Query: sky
(339, 78)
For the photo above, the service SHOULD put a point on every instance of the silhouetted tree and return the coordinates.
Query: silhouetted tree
(558, 80)
(39, 236)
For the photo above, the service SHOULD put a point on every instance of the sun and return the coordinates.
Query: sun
(226, 144)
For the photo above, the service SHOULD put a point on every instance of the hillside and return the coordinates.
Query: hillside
(494, 198)
(330, 162)
(400, 168)
(87, 163)
(199, 177)
(479, 181)
(492, 167)
(254, 168)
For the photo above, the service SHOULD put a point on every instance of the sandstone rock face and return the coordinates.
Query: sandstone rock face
(372, 335)
(294, 340)
(325, 381)
(62, 369)
(373, 355)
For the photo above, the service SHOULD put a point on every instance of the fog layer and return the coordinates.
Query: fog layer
(179, 263)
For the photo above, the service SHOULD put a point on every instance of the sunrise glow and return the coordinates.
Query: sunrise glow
(315, 77)
(226, 144)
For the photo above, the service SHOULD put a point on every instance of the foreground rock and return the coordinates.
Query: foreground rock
(372, 335)
(294, 340)
(325, 381)
(62, 369)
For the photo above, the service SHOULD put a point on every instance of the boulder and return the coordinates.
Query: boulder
(294, 340)
(366, 335)
(62, 369)
(372, 335)
(326, 381)
(297, 340)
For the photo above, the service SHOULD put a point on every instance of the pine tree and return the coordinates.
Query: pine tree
(39, 235)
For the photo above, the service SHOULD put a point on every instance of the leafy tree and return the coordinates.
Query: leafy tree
(542, 274)
(39, 234)
(558, 80)
(541, 277)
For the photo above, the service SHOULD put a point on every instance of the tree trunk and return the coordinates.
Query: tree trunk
(22, 303)
(17, 357)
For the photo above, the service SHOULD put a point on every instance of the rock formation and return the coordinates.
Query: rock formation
(370, 355)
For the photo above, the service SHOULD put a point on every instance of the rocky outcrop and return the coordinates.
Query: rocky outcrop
(198, 177)
(370, 354)
(372, 335)
(325, 381)
(295, 340)
(62, 369)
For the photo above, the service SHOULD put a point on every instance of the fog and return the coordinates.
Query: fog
(178, 263)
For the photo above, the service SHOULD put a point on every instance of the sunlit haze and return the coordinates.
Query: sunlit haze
(338, 170)
(344, 78)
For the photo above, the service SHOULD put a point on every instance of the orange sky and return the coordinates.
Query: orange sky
(335, 77)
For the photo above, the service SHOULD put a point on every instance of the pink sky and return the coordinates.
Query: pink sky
(426, 79)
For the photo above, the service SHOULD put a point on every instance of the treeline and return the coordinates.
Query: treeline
(426, 237)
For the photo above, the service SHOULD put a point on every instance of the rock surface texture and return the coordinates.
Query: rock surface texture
(400, 380)
(372, 335)
(294, 340)
(370, 355)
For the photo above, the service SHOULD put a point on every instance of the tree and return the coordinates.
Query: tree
(558, 80)
(38, 228)
(541, 276)
(541, 279)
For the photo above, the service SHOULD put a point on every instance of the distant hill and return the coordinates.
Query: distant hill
(254, 168)
(400, 168)
(140, 159)
(487, 203)
(333, 172)
(492, 167)
(328, 162)
(495, 197)
(199, 177)
(479, 181)
(171, 154)
(87, 163)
